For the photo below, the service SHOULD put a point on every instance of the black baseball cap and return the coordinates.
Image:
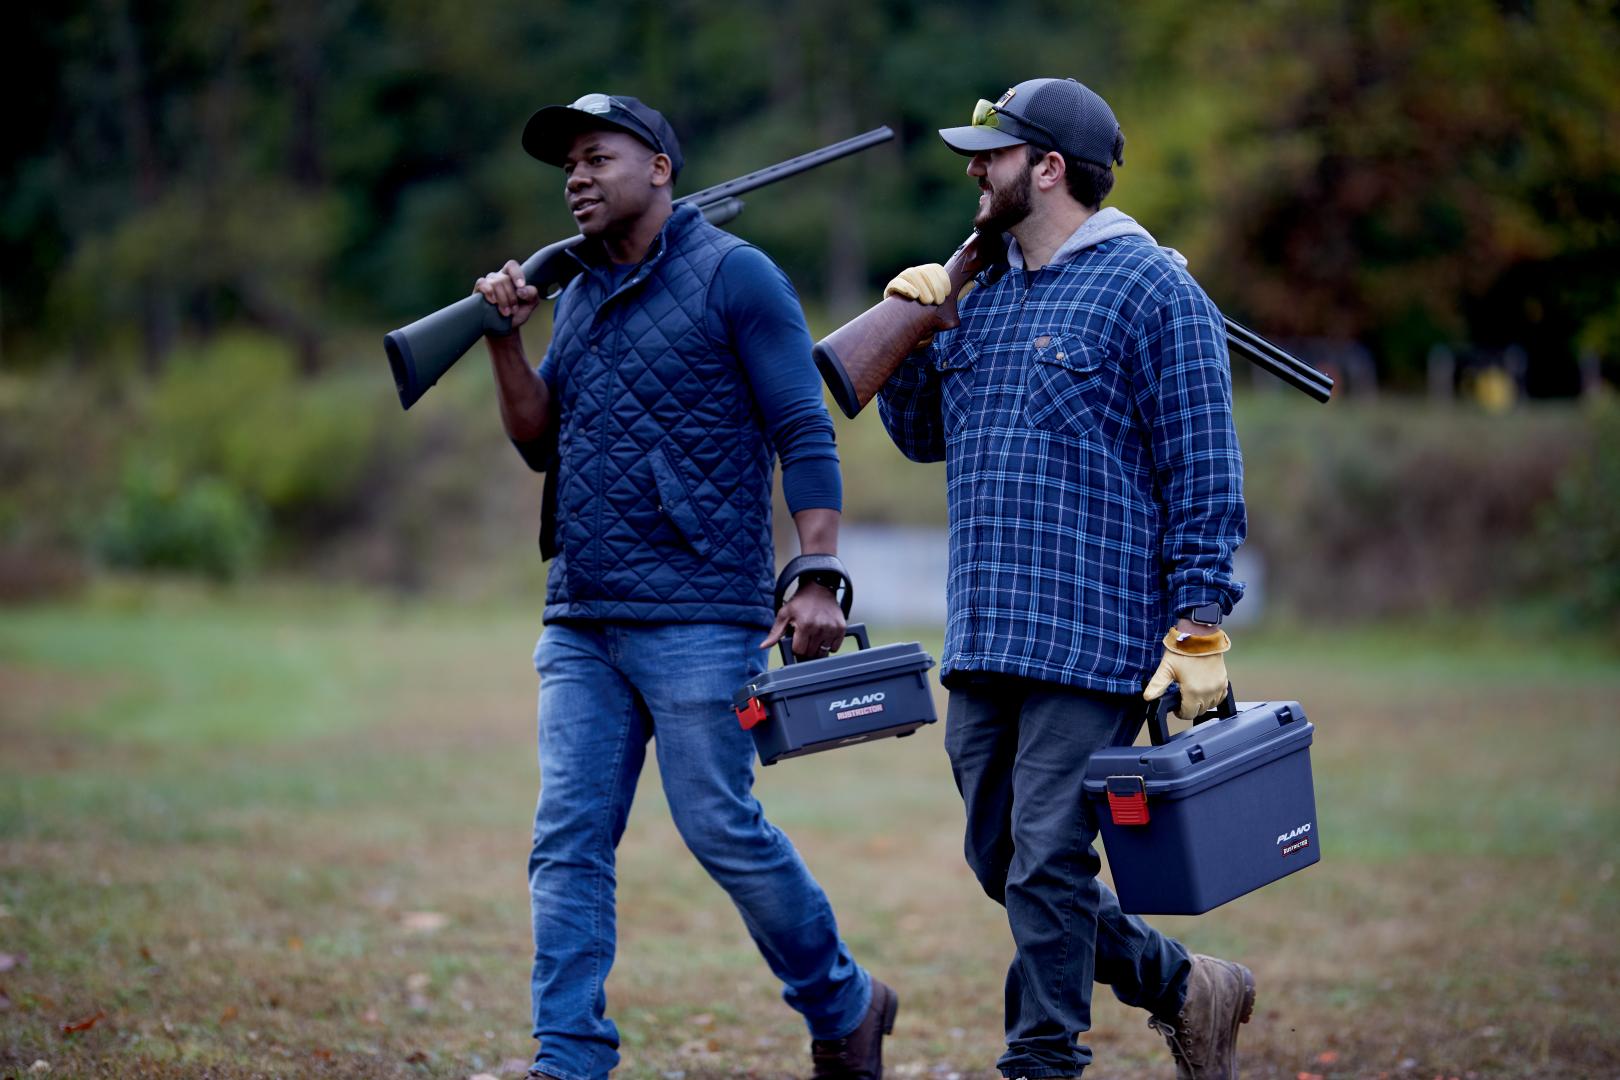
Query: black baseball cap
(1053, 114)
(551, 131)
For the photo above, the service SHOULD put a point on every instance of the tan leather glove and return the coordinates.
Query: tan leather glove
(927, 284)
(1198, 663)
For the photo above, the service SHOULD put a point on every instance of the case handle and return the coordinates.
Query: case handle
(1159, 712)
(857, 630)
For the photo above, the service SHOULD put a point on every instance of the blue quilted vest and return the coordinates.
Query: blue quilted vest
(658, 506)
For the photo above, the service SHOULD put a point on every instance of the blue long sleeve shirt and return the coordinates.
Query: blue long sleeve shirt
(752, 306)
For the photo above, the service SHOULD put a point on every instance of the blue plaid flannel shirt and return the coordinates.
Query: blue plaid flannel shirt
(1094, 480)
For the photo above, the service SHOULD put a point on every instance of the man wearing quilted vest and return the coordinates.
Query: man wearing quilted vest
(678, 370)
(1083, 408)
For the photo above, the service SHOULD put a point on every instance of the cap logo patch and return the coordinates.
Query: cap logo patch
(595, 104)
(1008, 96)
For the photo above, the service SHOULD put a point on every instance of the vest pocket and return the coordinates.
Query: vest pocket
(675, 500)
(1063, 370)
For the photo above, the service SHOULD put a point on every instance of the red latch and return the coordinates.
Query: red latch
(1127, 800)
(751, 715)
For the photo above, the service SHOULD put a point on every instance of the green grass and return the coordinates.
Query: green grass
(283, 833)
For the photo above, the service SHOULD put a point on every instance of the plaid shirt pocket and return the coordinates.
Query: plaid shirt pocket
(955, 367)
(1065, 369)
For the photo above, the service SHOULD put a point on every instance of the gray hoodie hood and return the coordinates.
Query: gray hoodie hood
(1106, 224)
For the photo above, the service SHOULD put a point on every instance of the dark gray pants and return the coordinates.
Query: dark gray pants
(1019, 750)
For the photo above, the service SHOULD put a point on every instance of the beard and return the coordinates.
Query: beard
(1009, 204)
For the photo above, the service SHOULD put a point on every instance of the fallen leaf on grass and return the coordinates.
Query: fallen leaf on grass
(424, 922)
(699, 1048)
(1327, 1057)
(228, 1015)
(86, 1024)
(416, 1057)
(1309, 1076)
(295, 944)
(418, 981)
(321, 1053)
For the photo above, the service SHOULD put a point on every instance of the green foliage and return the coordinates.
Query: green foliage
(1398, 173)
(231, 452)
(1580, 529)
(161, 521)
(1395, 172)
(237, 408)
(1401, 508)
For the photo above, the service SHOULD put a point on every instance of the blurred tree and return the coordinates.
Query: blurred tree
(1397, 172)
(1394, 171)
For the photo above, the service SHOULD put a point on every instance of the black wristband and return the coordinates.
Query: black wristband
(820, 569)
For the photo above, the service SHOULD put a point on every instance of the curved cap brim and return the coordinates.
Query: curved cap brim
(975, 140)
(551, 131)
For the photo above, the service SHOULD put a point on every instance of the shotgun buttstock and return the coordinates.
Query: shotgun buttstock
(857, 359)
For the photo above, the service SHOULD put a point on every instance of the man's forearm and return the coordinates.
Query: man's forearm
(525, 399)
(910, 406)
(818, 531)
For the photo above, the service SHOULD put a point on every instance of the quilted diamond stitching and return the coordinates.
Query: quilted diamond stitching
(622, 395)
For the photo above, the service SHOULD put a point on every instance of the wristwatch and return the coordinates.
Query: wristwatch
(827, 579)
(1204, 614)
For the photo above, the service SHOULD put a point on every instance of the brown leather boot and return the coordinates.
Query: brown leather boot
(1203, 1040)
(858, 1055)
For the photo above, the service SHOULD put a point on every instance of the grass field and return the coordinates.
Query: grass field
(263, 834)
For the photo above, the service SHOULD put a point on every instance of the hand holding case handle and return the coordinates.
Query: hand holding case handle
(856, 630)
(1160, 710)
(809, 564)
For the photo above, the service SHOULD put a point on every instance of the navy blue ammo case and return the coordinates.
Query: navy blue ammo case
(808, 706)
(1211, 813)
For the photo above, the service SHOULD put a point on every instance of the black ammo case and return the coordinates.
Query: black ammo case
(1208, 814)
(839, 700)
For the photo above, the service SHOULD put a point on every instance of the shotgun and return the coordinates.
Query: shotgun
(419, 354)
(857, 359)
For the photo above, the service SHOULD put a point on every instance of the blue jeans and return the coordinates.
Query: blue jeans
(1019, 750)
(605, 689)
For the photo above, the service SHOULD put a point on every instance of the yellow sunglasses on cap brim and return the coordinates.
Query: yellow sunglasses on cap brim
(988, 114)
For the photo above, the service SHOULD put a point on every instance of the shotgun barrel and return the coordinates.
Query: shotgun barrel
(419, 354)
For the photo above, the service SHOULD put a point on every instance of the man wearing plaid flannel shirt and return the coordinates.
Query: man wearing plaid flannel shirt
(1083, 408)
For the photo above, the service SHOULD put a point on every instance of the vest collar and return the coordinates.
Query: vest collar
(591, 255)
